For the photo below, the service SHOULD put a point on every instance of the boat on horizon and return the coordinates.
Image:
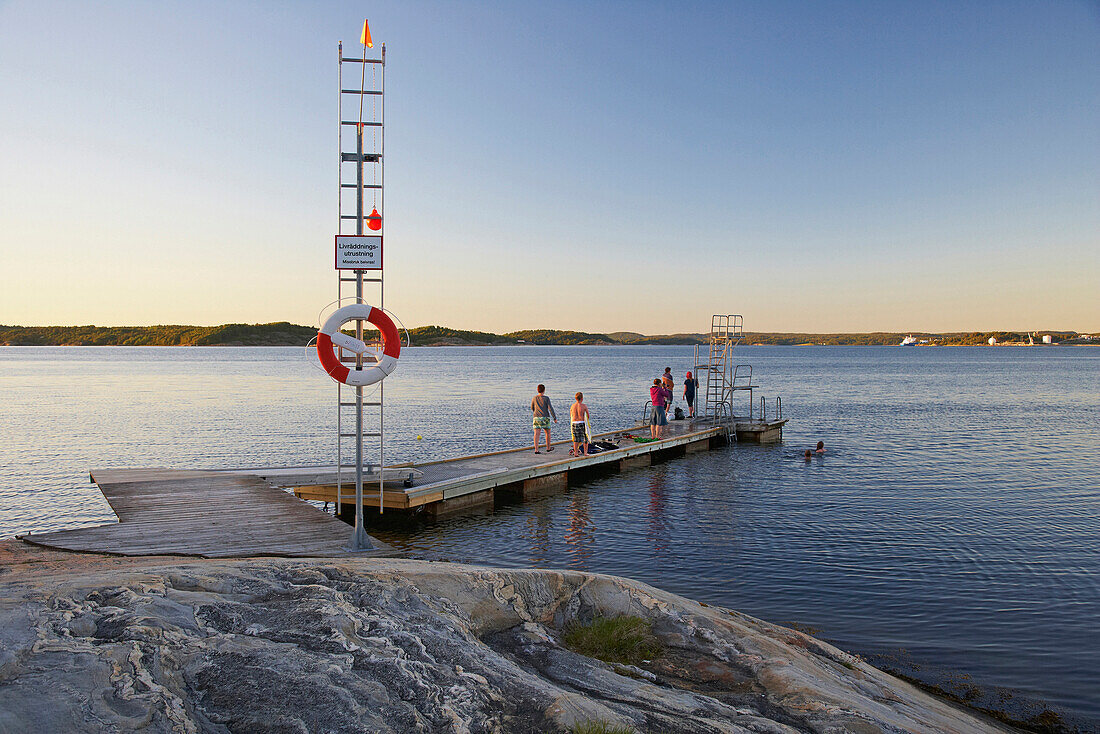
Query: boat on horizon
(908, 341)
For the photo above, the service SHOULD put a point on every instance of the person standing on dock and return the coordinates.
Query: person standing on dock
(544, 411)
(578, 414)
(669, 383)
(690, 386)
(658, 394)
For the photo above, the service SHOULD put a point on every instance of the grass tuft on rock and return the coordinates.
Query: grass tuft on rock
(627, 640)
(599, 726)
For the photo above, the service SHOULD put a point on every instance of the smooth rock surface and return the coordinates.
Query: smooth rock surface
(91, 643)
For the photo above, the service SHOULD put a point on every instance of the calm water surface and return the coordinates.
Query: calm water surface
(950, 533)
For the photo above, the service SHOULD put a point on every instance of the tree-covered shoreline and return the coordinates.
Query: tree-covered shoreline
(283, 333)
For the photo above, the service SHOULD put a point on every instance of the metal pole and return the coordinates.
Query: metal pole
(339, 275)
(359, 539)
(381, 278)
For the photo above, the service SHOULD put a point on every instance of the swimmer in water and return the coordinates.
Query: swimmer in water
(820, 448)
(808, 455)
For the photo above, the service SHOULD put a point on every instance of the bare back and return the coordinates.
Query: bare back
(578, 412)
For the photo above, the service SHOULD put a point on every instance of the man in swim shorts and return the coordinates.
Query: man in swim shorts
(543, 411)
(578, 413)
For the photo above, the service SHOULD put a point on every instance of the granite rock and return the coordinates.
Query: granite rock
(99, 644)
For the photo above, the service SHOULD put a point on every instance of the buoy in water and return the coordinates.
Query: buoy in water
(419, 437)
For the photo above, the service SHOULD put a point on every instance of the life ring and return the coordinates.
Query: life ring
(330, 336)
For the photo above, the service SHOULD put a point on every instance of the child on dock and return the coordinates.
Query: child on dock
(690, 386)
(578, 414)
(668, 382)
(543, 411)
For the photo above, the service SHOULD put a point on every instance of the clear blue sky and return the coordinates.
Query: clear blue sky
(816, 166)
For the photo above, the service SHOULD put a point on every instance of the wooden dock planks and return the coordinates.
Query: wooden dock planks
(450, 479)
(207, 514)
(241, 512)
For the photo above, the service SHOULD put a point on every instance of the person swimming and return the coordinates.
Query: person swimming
(808, 455)
(820, 448)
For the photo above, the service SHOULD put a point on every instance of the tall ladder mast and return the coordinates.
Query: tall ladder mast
(361, 147)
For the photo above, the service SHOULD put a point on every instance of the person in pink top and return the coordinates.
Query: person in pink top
(658, 396)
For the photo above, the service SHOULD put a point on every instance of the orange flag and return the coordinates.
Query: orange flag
(365, 39)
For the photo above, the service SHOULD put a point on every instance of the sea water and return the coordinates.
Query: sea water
(951, 531)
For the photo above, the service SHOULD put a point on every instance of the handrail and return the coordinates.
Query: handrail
(764, 408)
(737, 373)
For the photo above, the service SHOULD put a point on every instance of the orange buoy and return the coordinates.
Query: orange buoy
(374, 220)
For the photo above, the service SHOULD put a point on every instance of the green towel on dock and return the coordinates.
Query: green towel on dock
(644, 440)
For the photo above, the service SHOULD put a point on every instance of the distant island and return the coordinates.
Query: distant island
(283, 333)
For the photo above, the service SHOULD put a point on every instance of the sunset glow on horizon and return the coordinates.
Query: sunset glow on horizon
(817, 167)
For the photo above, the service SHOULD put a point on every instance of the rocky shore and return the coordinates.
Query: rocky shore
(93, 643)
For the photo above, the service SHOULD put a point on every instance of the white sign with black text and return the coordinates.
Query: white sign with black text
(358, 252)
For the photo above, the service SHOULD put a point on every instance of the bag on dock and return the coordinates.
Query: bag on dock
(678, 415)
(598, 447)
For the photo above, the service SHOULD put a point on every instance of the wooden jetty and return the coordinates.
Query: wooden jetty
(457, 485)
(206, 514)
(247, 512)
(450, 486)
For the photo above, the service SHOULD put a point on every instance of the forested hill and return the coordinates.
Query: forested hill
(281, 333)
(277, 334)
(286, 334)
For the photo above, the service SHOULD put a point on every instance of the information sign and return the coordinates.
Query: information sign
(358, 252)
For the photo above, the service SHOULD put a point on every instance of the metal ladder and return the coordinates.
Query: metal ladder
(361, 147)
(725, 333)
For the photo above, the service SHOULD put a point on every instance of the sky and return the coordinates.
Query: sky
(599, 166)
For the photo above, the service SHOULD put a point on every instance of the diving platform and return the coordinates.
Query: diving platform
(759, 430)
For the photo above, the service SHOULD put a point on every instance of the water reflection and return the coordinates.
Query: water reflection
(657, 522)
(539, 523)
(581, 536)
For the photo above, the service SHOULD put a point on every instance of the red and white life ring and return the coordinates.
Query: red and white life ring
(330, 336)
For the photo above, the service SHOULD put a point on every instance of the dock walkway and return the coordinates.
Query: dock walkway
(247, 512)
(207, 514)
(450, 485)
